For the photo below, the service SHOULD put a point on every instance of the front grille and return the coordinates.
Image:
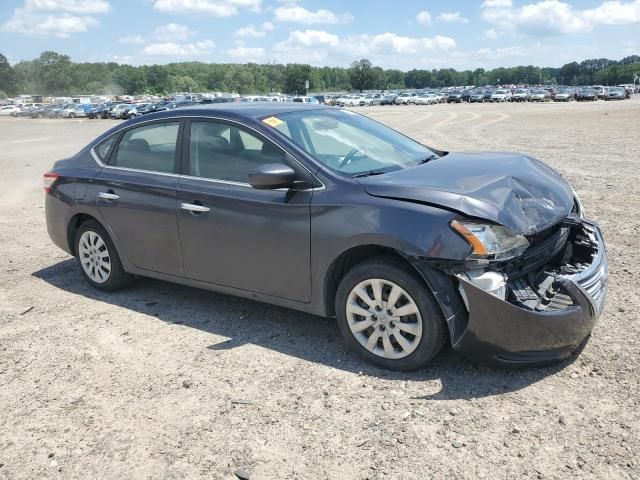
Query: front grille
(575, 253)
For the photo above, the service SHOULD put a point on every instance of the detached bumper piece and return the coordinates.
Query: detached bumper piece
(548, 311)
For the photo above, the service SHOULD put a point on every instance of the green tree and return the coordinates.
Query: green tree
(240, 79)
(295, 76)
(53, 73)
(362, 75)
(183, 83)
(8, 83)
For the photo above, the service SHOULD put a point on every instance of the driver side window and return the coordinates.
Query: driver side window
(221, 151)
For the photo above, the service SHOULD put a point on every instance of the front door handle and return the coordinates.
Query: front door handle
(194, 208)
(108, 196)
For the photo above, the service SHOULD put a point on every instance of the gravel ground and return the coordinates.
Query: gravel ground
(164, 381)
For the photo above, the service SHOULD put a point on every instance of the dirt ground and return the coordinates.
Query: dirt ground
(164, 381)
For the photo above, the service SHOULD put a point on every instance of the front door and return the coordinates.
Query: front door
(234, 235)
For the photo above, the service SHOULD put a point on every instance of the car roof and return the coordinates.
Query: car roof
(242, 109)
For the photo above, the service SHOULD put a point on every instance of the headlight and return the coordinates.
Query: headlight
(490, 242)
(578, 204)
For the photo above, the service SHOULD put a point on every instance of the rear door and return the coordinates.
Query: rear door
(136, 194)
(232, 234)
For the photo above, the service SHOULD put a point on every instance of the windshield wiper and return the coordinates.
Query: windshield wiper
(433, 156)
(370, 173)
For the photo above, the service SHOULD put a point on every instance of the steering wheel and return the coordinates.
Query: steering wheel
(348, 157)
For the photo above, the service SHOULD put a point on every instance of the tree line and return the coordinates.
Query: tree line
(56, 74)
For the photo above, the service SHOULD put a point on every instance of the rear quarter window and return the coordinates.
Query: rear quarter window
(104, 148)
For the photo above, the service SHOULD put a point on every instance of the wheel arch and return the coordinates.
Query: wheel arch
(74, 224)
(352, 257)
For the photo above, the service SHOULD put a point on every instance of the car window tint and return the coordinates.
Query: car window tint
(105, 147)
(152, 147)
(222, 152)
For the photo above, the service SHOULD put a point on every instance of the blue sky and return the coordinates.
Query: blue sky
(407, 34)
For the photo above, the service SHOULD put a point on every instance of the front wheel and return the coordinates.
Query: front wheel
(387, 314)
(98, 258)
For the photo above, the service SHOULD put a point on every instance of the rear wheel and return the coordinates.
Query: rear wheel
(386, 313)
(98, 258)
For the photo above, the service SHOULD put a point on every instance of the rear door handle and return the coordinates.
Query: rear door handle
(108, 196)
(194, 208)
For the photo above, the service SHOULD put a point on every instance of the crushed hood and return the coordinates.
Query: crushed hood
(514, 190)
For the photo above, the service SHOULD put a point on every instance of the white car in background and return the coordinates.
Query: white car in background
(116, 112)
(9, 109)
(78, 110)
(426, 99)
(348, 101)
(501, 96)
(303, 99)
(406, 98)
(371, 99)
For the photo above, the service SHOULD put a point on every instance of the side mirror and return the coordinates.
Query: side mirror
(272, 176)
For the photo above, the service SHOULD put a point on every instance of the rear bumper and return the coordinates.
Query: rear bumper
(509, 333)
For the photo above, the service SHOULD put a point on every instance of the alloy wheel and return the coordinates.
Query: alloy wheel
(94, 257)
(384, 318)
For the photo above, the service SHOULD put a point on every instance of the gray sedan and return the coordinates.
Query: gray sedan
(326, 211)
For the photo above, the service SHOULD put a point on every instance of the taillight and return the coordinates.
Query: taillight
(49, 180)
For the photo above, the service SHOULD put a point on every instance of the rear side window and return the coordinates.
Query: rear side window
(151, 148)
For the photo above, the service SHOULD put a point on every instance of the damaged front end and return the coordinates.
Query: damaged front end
(535, 307)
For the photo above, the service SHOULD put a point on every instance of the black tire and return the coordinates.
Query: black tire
(434, 333)
(117, 278)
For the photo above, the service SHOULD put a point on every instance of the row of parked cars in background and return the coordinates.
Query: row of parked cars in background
(113, 110)
(128, 110)
(479, 95)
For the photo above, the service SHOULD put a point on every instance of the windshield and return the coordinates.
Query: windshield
(349, 143)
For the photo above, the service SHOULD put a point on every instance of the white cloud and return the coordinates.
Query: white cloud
(215, 8)
(553, 17)
(173, 31)
(55, 18)
(614, 13)
(320, 47)
(268, 26)
(362, 45)
(496, 3)
(313, 38)
(424, 18)
(133, 40)
(297, 14)
(249, 32)
(246, 54)
(490, 34)
(173, 49)
(452, 17)
(69, 6)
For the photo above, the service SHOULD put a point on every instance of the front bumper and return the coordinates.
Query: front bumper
(515, 333)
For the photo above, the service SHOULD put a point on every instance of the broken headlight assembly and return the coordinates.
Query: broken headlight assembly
(577, 205)
(490, 242)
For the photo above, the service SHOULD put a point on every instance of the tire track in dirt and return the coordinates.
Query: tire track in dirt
(474, 130)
